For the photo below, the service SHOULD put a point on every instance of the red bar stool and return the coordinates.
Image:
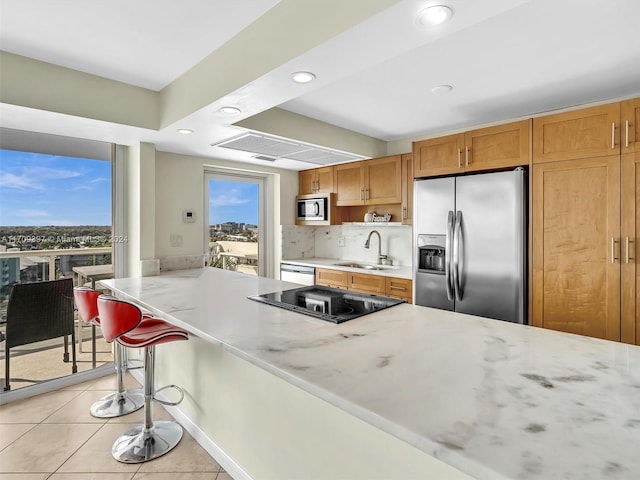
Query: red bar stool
(123, 322)
(121, 402)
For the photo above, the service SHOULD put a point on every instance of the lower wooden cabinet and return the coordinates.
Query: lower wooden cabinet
(401, 288)
(362, 282)
(331, 278)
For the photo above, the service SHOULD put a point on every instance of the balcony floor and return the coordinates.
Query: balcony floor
(41, 361)
(53, 436)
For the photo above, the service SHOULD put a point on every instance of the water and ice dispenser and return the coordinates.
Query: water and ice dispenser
(431, 253)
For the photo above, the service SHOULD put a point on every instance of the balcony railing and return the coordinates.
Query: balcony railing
(33, 363)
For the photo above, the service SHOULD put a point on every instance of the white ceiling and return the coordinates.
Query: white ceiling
(504, 58)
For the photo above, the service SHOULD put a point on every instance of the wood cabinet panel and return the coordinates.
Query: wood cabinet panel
(399, 288)
(317, 180)
(630, 125)
(382, 180)
(331, 278)
(576, 215)
(407, 189)
(348, 184)
(590, 132)
(363, 282)
(438, 156)
(630, 290)
(497, 147)
(306, 182)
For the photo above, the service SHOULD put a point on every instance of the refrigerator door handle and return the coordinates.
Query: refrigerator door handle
(447, 256)
(457, 241)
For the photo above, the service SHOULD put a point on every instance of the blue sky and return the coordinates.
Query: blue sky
(233, 202)
(38, 189)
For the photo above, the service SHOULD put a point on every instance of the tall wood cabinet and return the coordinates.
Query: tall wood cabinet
(490, 148)
(585, 207)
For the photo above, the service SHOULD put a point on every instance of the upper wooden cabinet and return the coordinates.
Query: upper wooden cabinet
(407, 189)
(502, 146)
(590, 132)
(490, 148)
(438, 156)
(370, 182)
(317, 180)
(630, 125)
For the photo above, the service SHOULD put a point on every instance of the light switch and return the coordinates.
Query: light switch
(188, 216)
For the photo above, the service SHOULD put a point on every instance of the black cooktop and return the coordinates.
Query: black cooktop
(327, 303)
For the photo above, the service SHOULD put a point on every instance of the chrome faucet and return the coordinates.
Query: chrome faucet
(366, 245)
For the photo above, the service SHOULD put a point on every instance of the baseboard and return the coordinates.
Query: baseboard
(225, 461)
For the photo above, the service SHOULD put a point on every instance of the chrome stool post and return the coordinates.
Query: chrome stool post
(151, 439)
(123, 401)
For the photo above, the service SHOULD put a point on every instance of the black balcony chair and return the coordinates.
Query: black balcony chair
(40, 311)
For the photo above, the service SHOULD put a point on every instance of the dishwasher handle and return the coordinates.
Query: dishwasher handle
(288, 267)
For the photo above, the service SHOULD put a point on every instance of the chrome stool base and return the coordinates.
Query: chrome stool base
(137, 446)
(118, 404)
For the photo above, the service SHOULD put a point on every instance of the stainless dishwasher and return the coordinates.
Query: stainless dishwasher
(297, 274)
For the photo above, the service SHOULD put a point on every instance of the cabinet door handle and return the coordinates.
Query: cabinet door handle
(613, 250)
(459, 157)
(613, 135)
(366, 194)
(626, 128)
(628, 256)
(393, 287)
(361, 194)
(466, 156)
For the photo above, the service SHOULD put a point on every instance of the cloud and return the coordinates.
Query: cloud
(29, 212)
(34, 177)
(16, 182)
(230, 199)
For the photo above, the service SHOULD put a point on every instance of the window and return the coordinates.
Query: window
(55, 217)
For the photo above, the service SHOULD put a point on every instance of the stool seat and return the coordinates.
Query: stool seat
(124, 323)
(152, 331)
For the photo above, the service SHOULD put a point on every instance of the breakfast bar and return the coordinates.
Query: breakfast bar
(405, 392)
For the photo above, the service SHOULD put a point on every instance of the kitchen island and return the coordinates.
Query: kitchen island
(407, 392)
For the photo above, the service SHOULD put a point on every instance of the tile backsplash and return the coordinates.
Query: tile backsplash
(324, 242)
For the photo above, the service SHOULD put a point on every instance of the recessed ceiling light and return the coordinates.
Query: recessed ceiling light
(230, 110)
(185, 131)
(441, 89)
(303, 77)
(434, 15)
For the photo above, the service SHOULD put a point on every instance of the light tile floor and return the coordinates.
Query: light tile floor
(53, 436)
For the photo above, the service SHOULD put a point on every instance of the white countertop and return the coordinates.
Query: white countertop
(493, 399)
(331, 263)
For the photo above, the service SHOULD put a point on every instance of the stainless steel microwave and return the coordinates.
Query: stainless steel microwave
(312, 209)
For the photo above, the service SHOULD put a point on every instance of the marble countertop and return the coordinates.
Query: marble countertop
(331, 263)
(493, 399)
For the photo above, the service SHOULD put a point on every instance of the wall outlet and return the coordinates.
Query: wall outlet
(175, 240)
(341, 241)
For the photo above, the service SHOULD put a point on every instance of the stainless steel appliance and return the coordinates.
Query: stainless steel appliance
(297, 274)
(312, 209)
(470, 244)
(327, 303)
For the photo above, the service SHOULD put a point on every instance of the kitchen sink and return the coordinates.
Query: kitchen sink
(364, 266)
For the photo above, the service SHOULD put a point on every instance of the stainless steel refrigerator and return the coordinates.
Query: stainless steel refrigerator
(470, 244)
